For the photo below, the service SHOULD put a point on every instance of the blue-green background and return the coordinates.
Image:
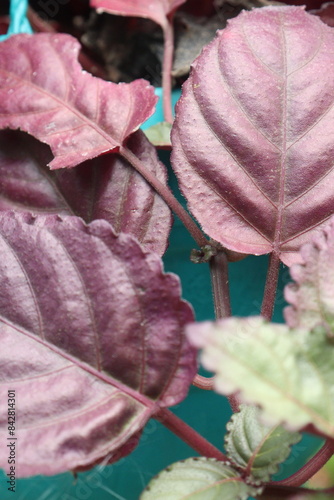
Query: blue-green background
(206, 411)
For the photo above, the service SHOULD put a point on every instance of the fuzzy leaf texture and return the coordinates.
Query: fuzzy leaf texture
(92, 340)
(101, 188)
(198, 479)
(156, 10)
(253, 139)
(289, 373)
(312, 295)
(255, 447)
(43, 91)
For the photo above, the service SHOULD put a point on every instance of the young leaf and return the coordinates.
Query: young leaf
(44, 92)
(289, 373)
(198, 479)
(100, 188)
(157, 10)
(257, 448)
(92, 340)
(253, 136)
(312, 295)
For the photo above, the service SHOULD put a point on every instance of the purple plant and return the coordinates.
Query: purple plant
(84, 302)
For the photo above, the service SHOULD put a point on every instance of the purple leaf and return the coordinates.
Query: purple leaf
(312, 295)
(92, 340)
(157, 10)
(44, 92)
(254, 133)
(100, 188)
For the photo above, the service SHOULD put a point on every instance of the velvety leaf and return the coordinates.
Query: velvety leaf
(312, 295)
(289, 373)
(256, 447)
(157, 10)
(44, 92)
(253, 139)
(101, 188)
(198, 479)
(92, 340)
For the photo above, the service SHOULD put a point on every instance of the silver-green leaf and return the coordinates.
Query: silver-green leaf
(198, 479)
(289, 373)
(256, 447)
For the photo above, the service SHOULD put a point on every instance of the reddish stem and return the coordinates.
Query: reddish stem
(271, 287)
(222, 304)
(220, 287)
(188, 435)
(167, 65)
(205, 383)
(166, 195)
(273, 492)
(311, 468)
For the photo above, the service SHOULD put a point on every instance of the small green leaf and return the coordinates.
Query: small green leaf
(255, 447)
(198, 479)
(159, 134)
(289, 373)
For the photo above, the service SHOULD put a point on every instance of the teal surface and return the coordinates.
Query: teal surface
(207, 412)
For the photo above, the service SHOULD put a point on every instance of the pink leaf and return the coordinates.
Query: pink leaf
(100, 188)
(92, 340)
(254, 133)
(44, 92)
(157, 10)
(312, 295)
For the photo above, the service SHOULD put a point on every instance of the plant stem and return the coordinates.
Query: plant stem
(220, 288)
(272, 492)
(271, 286)
(167, 65)
(222, 304)
(312, 466)
(188, 435)
(166, 195)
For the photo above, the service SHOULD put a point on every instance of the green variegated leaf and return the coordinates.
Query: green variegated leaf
(256, 447)
(198, 479)
(289, 373)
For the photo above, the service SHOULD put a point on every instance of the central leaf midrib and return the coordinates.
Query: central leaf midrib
(281, 194)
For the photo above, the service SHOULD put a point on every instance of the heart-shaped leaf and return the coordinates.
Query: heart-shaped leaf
(198, 479)
(101, 188)
(253, 139)
(44, 92)
(289, 372)
(157, 10)
(257, 448)
(312, 295)
(92, 340)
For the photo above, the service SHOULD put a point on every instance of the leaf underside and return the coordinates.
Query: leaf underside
(157, 10)
(253, 139)
(100, 188)
(92, 340)
(197, 479)
(257, 448)
(43, 91)
(289, 373)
